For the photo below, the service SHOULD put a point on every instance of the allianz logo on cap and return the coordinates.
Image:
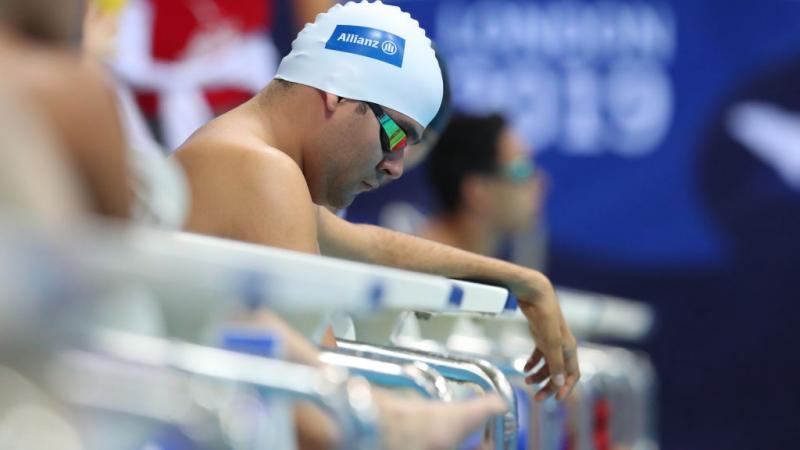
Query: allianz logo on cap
(369, 42)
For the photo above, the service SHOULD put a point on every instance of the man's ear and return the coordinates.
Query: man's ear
(331, 101)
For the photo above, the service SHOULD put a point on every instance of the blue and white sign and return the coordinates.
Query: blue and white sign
(370, 42)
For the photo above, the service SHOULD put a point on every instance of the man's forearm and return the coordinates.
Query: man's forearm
(394, 249)
(376, 245)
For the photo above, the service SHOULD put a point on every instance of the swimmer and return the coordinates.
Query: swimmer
(487, 185)
(335, 123)
(360, 84)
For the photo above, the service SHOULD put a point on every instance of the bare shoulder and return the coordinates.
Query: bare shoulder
(246, 190)
(221, 155)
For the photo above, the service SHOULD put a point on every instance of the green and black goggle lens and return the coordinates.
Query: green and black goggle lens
(393, 138)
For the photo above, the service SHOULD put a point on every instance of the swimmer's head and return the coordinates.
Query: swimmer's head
(370, 52)
(481, 168)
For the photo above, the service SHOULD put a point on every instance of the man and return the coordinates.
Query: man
(313, 137)
(360, 84)
(486, 184)
(259, 172)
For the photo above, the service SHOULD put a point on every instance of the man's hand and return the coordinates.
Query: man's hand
(555, 344)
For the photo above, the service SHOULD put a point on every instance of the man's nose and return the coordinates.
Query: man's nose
(392, 165)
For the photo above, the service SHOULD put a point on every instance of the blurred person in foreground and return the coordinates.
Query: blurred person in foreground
(39, 53)
(360, 84)
(486, 184)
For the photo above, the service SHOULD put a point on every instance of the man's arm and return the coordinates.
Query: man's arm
(537, 300)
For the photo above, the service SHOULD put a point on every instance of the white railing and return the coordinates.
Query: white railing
(196, 281)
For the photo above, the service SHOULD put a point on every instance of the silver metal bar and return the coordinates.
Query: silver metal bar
(417, 375)
(470, 370)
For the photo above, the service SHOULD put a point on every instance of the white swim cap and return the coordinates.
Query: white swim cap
(370, 52)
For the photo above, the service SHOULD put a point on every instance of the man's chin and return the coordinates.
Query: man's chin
(341, 202)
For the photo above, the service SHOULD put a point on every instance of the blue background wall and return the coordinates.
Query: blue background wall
(629, 106)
